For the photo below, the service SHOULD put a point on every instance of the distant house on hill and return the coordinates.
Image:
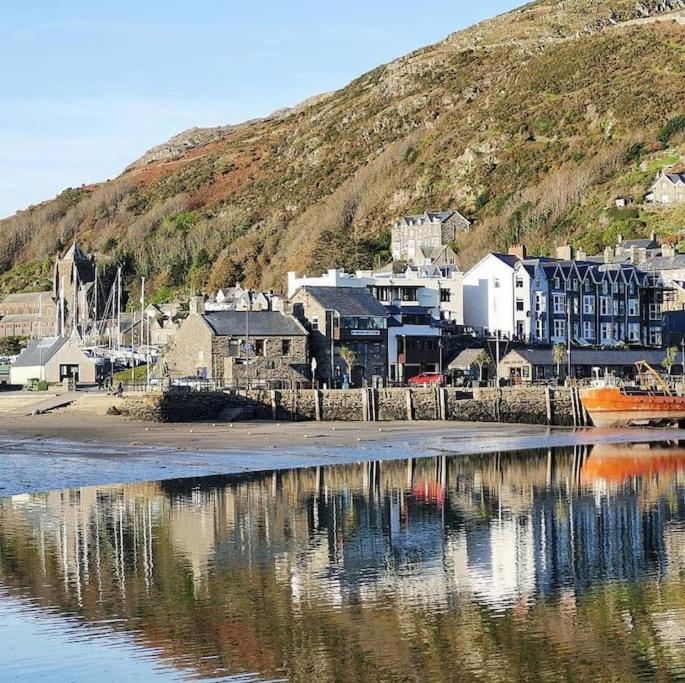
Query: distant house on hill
(668, 188)
(413, 237)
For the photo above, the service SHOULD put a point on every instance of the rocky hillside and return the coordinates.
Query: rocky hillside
(532, 123)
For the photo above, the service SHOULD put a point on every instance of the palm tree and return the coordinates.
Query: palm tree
(350, 358)
(670, 358)
(559, 355)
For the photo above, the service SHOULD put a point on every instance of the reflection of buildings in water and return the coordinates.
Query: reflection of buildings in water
(498, 528)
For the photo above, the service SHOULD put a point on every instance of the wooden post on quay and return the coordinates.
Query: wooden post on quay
(548, 404)
(410, 411)
(273, 405)
(317, 405)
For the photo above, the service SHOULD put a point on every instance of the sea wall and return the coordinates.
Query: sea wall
(524, 405)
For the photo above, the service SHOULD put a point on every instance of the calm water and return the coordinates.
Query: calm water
(565, 564)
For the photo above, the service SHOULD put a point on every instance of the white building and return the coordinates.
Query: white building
(489, 295)
(437, 290)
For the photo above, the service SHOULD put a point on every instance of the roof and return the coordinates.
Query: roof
(348, 301)
(19, 318)
(676, 178)
(254, 324)
(466, 359)
(509, 259)
(663, 263)
(40, 351)
(593, 357)
(25, 297)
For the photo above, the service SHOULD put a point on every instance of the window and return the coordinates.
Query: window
(605, 287)
(285, 347)
(589, 305)
(576, 306)
(614, 288)
(633, 307)
(559, 329)
(233, 348)
(519, 283)
(655, 337)
(315, 323)
(633, 332)
(615, 306)
(559, 303)
(605, 306)
(540, 329)
(445, 295)
(557, 283)
(496, 283)
(259, 347)
(519, 305)
(576, 330)
(605, 332)
(655, 311)
(539, 303)
(588, 330)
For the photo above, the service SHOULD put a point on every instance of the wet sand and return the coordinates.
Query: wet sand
(56, 451)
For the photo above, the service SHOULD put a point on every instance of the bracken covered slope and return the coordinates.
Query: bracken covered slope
(531, 123)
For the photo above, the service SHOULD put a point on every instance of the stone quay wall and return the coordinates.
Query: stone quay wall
(522, 405)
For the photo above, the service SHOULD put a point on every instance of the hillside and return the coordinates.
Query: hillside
(531, 123)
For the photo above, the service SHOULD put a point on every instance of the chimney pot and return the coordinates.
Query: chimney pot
(518, 250)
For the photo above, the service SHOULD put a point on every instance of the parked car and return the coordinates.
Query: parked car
(427, 379)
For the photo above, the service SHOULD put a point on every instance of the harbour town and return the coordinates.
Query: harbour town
(384, 383)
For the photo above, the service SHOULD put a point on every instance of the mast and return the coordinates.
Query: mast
(118, 307)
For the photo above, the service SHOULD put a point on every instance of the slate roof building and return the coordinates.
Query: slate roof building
(522, 366)
(53, 359)
(350, 317)
(668, 188)
(240, 348)
(432, 229)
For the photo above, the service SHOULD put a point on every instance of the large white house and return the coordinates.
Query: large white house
(489, 295)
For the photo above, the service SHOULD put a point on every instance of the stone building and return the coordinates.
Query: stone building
(67, 307)
(32, 314)
(668, 188)
(413, 237)
(239, 347)
(345, 317)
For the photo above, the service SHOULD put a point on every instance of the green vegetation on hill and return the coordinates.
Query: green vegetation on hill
(532, 123)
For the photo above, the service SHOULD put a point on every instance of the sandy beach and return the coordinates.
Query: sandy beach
(55, 451)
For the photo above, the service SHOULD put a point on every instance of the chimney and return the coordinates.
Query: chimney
(518, 250)
(197, 305)
(667, 250)
(565, 252)
(581, 254)
(608, 255)
(634, 255)
(652, 236)
(619, 239)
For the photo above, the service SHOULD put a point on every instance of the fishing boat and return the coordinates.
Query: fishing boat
(651, 403)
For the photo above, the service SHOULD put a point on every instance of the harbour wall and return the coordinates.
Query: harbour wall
(522, 405)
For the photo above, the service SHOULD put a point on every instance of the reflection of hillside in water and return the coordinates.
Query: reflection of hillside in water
(231, 566)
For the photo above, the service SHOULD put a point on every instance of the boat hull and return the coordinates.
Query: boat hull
(611, 407)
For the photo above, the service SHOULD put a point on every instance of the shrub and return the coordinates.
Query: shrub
(671, 128)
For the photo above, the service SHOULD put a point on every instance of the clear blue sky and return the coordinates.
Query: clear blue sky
(86, 87)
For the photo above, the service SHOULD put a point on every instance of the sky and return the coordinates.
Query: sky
(86, 87)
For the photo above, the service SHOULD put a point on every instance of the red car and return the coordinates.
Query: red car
(425, 379)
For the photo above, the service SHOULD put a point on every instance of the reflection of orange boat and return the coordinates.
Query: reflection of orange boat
(619, 463)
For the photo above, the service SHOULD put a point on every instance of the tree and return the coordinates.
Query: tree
(482, 360)
(670, 358)
(11, 346)
(350, 358)
(559, 355)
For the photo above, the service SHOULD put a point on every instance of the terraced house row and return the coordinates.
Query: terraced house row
(547, 301)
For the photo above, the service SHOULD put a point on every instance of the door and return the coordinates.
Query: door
(68, 372)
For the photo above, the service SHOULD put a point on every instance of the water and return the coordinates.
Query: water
(562, 564)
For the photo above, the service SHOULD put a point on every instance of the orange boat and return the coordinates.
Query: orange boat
(616, 406)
